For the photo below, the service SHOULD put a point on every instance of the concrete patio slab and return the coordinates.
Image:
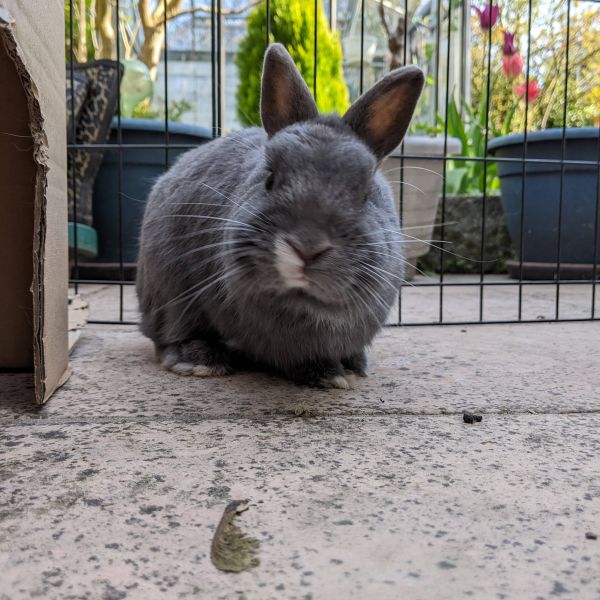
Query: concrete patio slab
(343, 507)
(435, 370)
(114, 489)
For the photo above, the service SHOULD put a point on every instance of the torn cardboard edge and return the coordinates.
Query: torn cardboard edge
(45, 383)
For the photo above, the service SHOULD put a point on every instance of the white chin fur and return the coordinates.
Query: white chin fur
(289, 265)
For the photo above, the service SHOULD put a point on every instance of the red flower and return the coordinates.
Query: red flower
(531, 91)
(509, 48)
(487, 18)
(512, 65)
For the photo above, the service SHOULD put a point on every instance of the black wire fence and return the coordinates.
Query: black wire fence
(536, 187)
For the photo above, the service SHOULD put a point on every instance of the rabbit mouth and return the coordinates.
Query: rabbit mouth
(298, 262)
(290, 265)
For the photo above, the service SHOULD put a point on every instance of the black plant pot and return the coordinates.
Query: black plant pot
(538, 198)
(140, 167)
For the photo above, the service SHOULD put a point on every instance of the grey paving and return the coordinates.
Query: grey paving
(422, 370)
(114, 488)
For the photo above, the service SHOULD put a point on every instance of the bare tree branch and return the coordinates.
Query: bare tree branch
(395, 38)
(207, 9)
(104, 12)
(383, 19)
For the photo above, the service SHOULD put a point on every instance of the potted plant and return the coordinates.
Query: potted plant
(533, 207)
(550, 210)
(462, 210)
(417, 182)
(141, 34)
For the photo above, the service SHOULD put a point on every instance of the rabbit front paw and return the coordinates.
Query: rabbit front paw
(321, 373)
(356, 364)
(196, 358)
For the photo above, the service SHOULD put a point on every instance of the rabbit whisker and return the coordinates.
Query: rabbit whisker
(228, 253)
(368, 294)
(202, 232)
(229, 199)
(445, 224)
(397, 257)
(414, 167)
(245, 225)
(412, 185)
(452, 253)
(180, 297)
(196, 294)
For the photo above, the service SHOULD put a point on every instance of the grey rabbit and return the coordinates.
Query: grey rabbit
(279, 247)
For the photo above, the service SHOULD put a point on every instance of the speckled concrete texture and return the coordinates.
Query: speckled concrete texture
(114, 489)
(422, 370)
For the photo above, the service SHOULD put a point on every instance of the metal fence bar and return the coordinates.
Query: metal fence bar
(444, 13)
(524, 156)
(414, 284)
(109, 282)
(499, 322)
(268, 19)
(120, 174)
(438, 27)
(219, 70)
(412, 323)
(562, 154)
(213, 69)
(445, 163)
(74, 142)
(485, 161)
(362, 46)
(166, 82)
(497, 159)
(315, 59)
(401, 178)
(596, 230)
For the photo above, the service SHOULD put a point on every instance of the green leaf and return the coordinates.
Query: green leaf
(509, 118)
(454, 180)
(455, 125)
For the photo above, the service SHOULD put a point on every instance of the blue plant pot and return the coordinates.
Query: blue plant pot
(140, 169)
(539, 202)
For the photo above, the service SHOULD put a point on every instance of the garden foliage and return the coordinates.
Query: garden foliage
(292, 24)
(467, 177)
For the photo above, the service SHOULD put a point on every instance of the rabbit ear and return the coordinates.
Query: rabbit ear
(285, 97)
(380, 117)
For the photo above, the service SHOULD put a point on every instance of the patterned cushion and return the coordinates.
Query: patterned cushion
(93, 127)
(76, 97)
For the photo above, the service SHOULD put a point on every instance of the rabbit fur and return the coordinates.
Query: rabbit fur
(280, 246)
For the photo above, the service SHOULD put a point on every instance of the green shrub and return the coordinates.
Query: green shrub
(292, 24)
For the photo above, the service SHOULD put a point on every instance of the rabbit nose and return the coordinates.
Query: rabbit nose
(309, 254)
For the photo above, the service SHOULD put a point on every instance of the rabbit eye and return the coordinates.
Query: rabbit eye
(269, 182)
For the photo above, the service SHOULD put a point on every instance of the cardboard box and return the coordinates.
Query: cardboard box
(33, 193)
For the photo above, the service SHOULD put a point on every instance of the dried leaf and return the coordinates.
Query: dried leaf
(231, 549)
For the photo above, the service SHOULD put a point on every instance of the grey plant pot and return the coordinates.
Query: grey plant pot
(535, 214)
(140, 169)
(417, 198)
